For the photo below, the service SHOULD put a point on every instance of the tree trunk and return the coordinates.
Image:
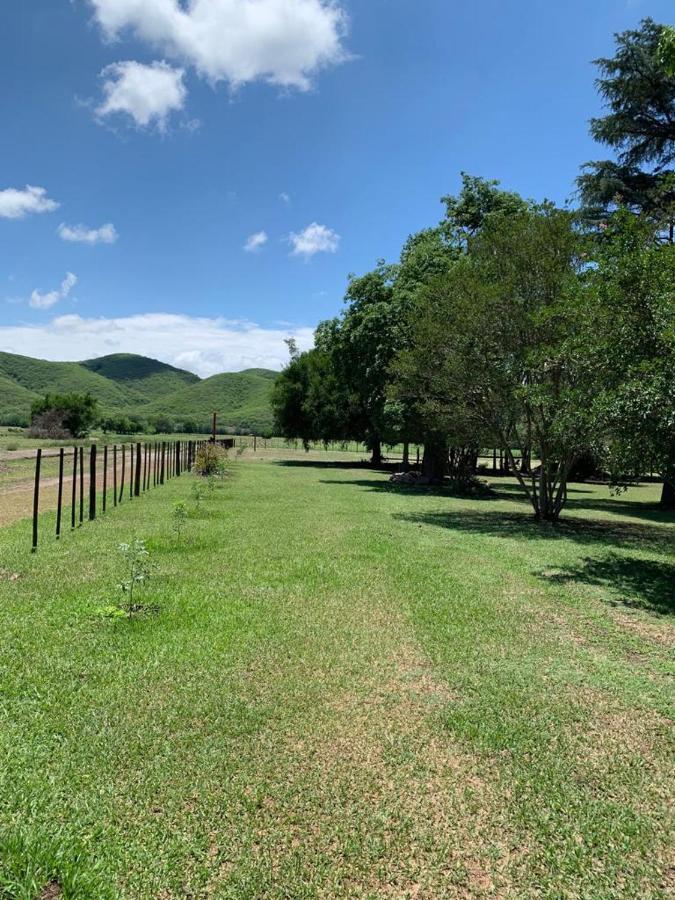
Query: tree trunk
(668, 494)
(435, 460)
(526, 461)
(376, 450)
(406, 456)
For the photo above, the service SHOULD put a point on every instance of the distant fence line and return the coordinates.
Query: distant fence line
(121, 475)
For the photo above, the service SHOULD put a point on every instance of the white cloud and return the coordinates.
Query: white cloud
(46, 301)
(284, 197)
(256, 241)
(79, 234)
(15, 204)
(314, 239)
(149, 94)
(284, 42)
(202, 345)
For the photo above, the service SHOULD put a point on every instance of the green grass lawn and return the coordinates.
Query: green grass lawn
(348, 690)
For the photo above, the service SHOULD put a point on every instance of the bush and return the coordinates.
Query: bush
(63, 415)
(210, 460)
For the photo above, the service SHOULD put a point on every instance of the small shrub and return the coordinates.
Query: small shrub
(210, 459)
(136, 562)
(197, 493)
(12, 447)
(179, 517)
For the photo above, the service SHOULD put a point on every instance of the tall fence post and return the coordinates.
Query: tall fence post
(131, 471)
(92, 483)
(59, 501)
(105, 477)
(163, 465)
(81, 485)
(115, 475)
(124, 458)
(137, 485)
(74, 494)
(36, 498)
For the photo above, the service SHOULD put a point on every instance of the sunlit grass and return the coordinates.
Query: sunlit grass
(346, 690)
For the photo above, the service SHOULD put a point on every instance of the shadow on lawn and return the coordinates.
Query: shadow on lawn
(642, 583)
(331, 464)
(521, 525)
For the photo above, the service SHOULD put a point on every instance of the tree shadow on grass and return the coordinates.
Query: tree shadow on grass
(331, 464)
(641, 583)
(427, 490)
(600, 533)
(516, 489)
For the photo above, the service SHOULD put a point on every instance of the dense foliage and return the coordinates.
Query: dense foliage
(514, 324)
(63, 415)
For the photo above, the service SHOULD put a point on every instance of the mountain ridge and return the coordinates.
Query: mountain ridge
(128, 384)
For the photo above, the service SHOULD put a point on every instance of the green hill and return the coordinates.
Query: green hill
(39, 376)
(145, 378)
(127, 384)
(241, 399)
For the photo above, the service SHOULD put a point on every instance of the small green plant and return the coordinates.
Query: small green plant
(12, 447)
(211, 482)
(136, 562)
(197, 493)
(179, 517)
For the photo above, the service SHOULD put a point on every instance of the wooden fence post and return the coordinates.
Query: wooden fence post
(36, 498)
(131, 471)
(162, 472)
(137, 485)
(59, 500)
(124, 460)
(105, 477)
(74, 495)
(81, 485)
(92, 482)
(115, 475)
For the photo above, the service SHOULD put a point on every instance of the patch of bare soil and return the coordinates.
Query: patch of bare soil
(51, 891)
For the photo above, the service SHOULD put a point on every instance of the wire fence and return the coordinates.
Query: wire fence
(92, 480)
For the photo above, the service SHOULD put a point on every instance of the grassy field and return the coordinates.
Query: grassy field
(346, 690)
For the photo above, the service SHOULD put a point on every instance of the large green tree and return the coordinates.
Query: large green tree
(627, 347)
(74, 414)
(361, 344)
(637, 86)
(487, 346)
(309, 401)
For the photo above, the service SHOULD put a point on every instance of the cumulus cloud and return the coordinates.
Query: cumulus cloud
(16, 204)
(46, 301)
(314, 239)
(80, 234)
(256, 241)
(202, 345)
(146, 93)
(284, 42)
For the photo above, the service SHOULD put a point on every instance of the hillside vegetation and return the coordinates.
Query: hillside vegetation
(130, 385)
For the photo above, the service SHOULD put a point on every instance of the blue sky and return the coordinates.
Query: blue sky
(169, 135)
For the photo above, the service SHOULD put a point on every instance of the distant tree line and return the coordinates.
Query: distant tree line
(547, 332)
(64, 416)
